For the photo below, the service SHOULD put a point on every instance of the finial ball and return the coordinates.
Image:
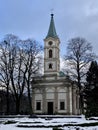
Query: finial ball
(52, 15)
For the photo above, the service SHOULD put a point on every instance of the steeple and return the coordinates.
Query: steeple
(51, 51)
(52, 31)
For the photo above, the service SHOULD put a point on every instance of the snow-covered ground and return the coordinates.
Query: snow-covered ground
(45, 123)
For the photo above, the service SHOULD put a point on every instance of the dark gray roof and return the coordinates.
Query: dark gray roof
(52, 31)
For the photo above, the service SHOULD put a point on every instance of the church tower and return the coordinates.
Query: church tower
(51, 51)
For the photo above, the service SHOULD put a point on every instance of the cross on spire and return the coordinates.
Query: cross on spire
(52, 10)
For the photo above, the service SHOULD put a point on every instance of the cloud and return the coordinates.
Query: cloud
(27, 18)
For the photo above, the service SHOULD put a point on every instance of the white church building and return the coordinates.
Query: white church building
(54, 93)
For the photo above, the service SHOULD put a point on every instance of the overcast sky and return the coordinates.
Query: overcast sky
(31, 19)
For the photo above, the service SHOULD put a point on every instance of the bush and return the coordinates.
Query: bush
(57, 128)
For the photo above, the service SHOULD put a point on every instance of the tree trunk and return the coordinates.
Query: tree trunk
(17, 106)
(81, 104)
(29, 98)
(7, 99)
(80, 89)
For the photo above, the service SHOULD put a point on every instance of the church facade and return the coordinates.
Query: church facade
(54, 93)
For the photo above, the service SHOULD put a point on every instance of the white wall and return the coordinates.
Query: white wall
(50, 93)
(62, 96)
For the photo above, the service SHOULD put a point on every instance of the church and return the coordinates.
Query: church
(54, 93)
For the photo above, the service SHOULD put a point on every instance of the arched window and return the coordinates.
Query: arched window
(50, 53)
(50, 66)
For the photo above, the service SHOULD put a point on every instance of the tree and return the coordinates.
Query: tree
(14, 73)
(5, 58)
(79, 55)
(19, 61)
(91, 90)
(32, 61)
(4, 71)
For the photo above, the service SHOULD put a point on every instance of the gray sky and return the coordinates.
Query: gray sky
(31, 19)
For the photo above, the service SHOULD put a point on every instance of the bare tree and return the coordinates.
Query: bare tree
(4, 71)
(79, 55)
(20, 61)
(5, 56)
(10, 69)
(18, 77)
(32, 61)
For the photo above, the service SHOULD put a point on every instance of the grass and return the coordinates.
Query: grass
(83, 125)
(58, 126)
(10, 122)
(29, 122)
(89, 124)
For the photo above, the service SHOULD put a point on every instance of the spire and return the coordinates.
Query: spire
(52, 31)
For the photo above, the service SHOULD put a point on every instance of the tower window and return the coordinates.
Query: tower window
(50, 66)
(50, 53)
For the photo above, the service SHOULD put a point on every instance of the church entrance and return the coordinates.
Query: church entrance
(50, 108)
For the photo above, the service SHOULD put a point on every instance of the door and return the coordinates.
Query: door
(50, 108)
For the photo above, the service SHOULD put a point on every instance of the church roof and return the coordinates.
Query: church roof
(52, 31)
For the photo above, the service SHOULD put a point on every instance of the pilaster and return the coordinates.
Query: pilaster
(56, 101)
(44, 101)
(70, 99)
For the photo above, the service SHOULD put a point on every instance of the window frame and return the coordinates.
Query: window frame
(38, 105)
(50, 53)
(62, 106)
(50, 66)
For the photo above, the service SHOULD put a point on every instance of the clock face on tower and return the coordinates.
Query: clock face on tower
(50, 43)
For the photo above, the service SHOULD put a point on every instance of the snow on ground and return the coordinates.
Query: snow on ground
(13, 127)
(81, 128)
(41, 123)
